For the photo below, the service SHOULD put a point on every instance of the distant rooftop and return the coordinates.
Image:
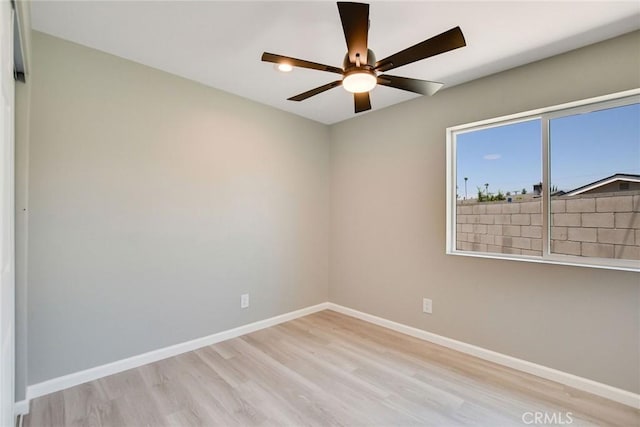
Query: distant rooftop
(624, 177)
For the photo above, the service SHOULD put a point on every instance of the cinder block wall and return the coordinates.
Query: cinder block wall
(602, 225)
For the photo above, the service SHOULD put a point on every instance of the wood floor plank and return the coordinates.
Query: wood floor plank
(322, 369)
(87, 404)
(48, 411)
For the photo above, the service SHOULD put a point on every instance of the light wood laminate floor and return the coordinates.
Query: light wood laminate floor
(323, 369)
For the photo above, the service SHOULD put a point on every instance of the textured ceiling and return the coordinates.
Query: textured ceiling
(219, 44)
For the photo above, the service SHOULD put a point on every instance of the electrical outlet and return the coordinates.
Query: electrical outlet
(427, 305)
(244, 300)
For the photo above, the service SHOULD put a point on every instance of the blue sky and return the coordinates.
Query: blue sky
(507, 157)
(584, 148)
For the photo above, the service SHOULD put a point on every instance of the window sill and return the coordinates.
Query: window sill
(606, 264)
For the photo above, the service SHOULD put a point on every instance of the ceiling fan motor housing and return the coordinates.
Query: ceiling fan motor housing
(350, 66)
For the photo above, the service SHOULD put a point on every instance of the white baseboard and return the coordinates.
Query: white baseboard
(580, 383)
(584, 384)
(76, 378)
(21, 407)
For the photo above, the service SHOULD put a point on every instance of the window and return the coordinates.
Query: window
(558, 185)
(503, 212)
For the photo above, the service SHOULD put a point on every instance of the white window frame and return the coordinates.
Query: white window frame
(544, 115)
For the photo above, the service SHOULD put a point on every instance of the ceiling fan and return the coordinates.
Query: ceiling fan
(361, 71)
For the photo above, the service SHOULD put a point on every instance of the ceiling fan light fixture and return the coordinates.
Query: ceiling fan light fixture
(284, 67)
(359, 81)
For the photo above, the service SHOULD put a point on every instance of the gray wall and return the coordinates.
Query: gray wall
(388, 228)
(154, 203)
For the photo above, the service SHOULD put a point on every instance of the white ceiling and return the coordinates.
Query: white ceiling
(219, 44)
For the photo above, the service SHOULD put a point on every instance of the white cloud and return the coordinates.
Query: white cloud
(491, 156)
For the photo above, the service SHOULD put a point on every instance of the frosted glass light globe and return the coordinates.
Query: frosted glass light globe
(359, 82)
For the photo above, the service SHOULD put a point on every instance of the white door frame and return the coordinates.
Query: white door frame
(7, 215)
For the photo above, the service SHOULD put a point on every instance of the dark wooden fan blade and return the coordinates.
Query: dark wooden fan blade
(312, 92)
(422, 87)
(280, 59)
(449, 40)
(355, 23)
(362, 101)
